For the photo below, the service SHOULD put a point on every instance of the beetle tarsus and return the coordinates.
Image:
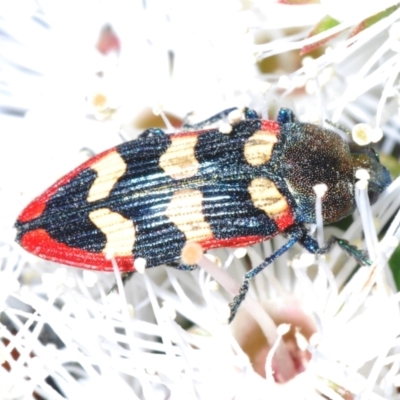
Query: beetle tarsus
(360, 256)
(295, 237)
(237, 300)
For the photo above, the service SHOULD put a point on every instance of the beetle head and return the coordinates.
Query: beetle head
(367, 158)
(310, 155)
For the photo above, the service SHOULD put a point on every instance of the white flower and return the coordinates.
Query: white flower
(68, 91)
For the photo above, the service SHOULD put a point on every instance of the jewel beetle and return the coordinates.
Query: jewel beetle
(147, 198)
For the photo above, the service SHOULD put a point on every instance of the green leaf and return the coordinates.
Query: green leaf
(394, 264)
(391, 163)
(372, 20)
(325, 24)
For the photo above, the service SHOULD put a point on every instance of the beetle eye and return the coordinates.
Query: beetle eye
(373, 196)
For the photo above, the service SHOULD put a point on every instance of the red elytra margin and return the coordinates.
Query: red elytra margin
(39, 242)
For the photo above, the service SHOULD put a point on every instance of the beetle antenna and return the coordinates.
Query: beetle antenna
(338, 126)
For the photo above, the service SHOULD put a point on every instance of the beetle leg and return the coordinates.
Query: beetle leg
(152, 132)
(248, 114)
(215, 118)
(361, 256)
(295, 237)
(285, 115)
(312, 246)
(182, 267)
(125, 276)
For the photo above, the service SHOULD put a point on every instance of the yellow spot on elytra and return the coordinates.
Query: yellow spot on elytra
(179, 161)
(258, 147)
(119, 231)
(267, 197)
(109, 169)
(186, 211)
